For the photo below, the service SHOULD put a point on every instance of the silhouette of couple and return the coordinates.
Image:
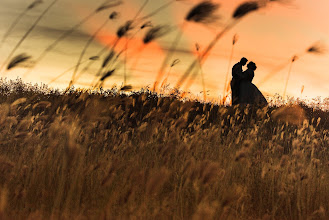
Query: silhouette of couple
(243, 91)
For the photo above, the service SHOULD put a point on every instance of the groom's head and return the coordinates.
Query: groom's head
(243, 61)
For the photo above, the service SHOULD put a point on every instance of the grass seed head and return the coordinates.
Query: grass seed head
(108, 74)
(203, 12)
(244, 9)
(290, 114)
(319, 214)
(147, 24)
(124, 29)
(284, 161)
(241, 154)
(18, 60)
(197, 47)
(211, 172)
(107, 5)
(42, 104)
(94, 58)
(34, 4)
(175, 62)
(108, 58)
(126, 88)
(155, 32)
(294, 58)
(235, 39)
(157, 180)
(317, 48)
(18, 102)
(114, 15)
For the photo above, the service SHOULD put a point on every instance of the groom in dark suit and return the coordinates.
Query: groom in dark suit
(236, 77)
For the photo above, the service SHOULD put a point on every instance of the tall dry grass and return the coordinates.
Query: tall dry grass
(91, 59)
(108, 155)
(240, 12)
(318, 48)
(196, 73)
(136, 21)
(112, 16)
(18, 60)
(203, 13)
(229, 67)
(154, 33)
(86, 154)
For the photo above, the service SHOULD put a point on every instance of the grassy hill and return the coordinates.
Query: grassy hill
(109, 155)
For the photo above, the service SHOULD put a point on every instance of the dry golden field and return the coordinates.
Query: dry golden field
(106, 155)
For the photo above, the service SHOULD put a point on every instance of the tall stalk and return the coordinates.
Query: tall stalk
(317, 48)
(202, 78)
(125, 63)
(70, 31)
(127, 43)
(111, 17)
(241, 11)
(229, 65)
(204, 13)
(27, 34)
(204, 55)
(174, 63)
(86, 47)
(138, 20)
(196, 73)
(66, 71)
(107, 59)
(18, 19)
(288, 76)
(169, 56)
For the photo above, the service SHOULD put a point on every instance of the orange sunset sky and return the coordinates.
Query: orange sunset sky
(270, 37)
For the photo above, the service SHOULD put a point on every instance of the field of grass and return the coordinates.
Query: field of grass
(107, 155)
(84, 154)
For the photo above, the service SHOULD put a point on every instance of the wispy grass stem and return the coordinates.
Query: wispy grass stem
(204, 55)
(169, 56)
(91, 39)
(288, 76)
(69, 32)
(27, 34)
(226, 84)
(18, 19)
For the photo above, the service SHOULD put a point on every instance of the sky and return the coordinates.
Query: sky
(270, 37)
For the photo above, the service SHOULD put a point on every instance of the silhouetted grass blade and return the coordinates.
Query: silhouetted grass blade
(107, 6)
(124, 29)
(108, 58)
(106, 75)
(204, 12)
(17, 60)
(155, 32)
(126, 88)
(245, 8)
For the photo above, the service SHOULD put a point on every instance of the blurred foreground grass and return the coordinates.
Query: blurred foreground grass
(106, 155)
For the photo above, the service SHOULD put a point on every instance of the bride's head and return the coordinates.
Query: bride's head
(252, 65)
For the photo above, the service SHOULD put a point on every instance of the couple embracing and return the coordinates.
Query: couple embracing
(243, 90)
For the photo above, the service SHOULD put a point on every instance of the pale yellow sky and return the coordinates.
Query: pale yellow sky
(269, 37)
